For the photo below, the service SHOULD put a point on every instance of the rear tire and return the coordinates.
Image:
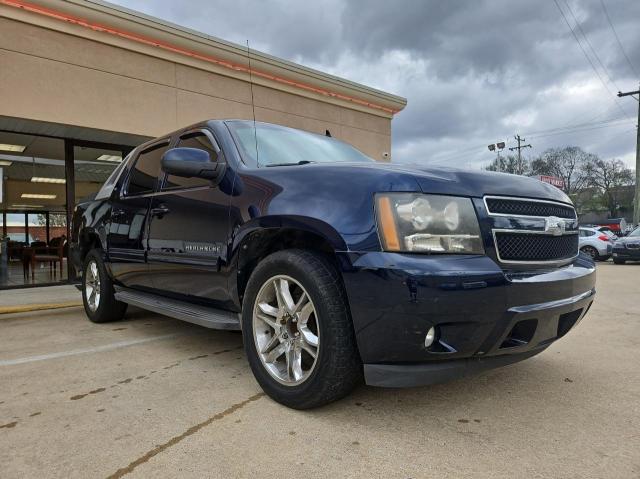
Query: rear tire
(98, 294)
(283, 337)
(591, 251)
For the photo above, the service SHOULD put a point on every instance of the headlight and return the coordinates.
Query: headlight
(427, 223)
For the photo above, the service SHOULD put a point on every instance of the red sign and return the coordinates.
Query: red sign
(552, 180)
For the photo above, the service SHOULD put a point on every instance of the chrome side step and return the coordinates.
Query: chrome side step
(193, 313)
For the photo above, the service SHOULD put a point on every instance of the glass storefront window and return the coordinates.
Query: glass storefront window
(16, 230)
(37, 223)
(57, 226)
(33, 201)
(93, 166)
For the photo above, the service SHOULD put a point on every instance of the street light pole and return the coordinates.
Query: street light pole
(497, 147)
(636, 198)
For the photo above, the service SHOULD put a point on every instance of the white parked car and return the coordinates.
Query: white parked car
(606, 230)
(595, 243)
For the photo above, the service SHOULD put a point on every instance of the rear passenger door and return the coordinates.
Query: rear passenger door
(188, 232)
(127, 239)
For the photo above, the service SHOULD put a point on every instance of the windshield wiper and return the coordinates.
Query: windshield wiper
(302, 162)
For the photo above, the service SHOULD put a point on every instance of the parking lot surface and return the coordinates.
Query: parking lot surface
(155, 397)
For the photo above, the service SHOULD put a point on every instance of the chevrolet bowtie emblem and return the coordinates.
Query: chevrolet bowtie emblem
(554, 225)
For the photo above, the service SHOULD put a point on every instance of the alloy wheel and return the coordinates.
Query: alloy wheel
(285, 330)
(92, 286)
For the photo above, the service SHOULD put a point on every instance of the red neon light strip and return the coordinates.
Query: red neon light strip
(175, 49)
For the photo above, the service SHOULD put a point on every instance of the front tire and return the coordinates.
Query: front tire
(618, 261)
(297, 330)
(98, 294)
(591, 251)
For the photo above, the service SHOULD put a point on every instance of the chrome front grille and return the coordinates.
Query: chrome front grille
(528, 207)
(532, 231)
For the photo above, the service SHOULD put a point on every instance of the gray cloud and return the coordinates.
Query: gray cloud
(473, 71)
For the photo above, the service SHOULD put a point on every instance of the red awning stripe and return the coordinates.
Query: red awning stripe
(182, 51)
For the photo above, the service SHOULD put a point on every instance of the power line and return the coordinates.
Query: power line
(453, 153)
(594, 126)
(606, 14)
(584, 52)
(595, 54)
(579, 125)
(602, 112)
(577, 130)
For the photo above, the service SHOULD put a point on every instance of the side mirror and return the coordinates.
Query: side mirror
(190, 163)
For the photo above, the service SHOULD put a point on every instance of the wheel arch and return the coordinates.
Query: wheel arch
(258, 239)
(90, 239)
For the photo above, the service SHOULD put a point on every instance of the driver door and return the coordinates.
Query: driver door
(188, 231)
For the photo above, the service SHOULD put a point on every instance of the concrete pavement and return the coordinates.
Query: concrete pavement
(154, 397)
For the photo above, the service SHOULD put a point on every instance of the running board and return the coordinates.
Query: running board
(193, 313)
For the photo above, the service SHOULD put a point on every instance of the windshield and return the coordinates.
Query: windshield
(635, 232)
(278, 145)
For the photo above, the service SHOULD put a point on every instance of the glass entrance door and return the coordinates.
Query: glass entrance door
(41, 181)
(93, 163)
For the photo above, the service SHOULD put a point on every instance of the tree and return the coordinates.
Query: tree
(509, 164)
(609, 176)
(55, 219)
(568, 163)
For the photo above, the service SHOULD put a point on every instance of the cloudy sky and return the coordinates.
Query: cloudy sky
(473, 72)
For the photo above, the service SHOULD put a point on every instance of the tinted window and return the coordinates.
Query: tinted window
(144, 175)
(192, 140)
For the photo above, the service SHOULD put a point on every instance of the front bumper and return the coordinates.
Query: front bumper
(485, 317)
(411, 375)
(626, 253)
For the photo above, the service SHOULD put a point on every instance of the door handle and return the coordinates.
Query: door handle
(159, 210)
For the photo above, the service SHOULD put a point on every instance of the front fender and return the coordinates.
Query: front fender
(262, 236)
(290, 222)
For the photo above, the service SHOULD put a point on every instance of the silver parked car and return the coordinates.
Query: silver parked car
(595, 243)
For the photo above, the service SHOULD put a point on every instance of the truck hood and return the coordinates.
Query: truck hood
(439, 180)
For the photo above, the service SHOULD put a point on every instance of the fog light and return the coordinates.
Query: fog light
(430, 337)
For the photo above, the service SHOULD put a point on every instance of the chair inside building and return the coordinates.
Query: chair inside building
(34, 207)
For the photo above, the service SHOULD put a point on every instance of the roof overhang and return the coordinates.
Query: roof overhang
(110, 24)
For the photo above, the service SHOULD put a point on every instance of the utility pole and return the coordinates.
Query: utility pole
(636, 198)
(519, 148)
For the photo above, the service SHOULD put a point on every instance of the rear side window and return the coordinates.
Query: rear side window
(192, 140)
(144, 175)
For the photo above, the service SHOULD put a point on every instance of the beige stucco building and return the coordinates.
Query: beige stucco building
(82, 82)
(87, 64)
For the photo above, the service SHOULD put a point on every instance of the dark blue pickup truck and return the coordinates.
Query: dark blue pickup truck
(335, 267)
